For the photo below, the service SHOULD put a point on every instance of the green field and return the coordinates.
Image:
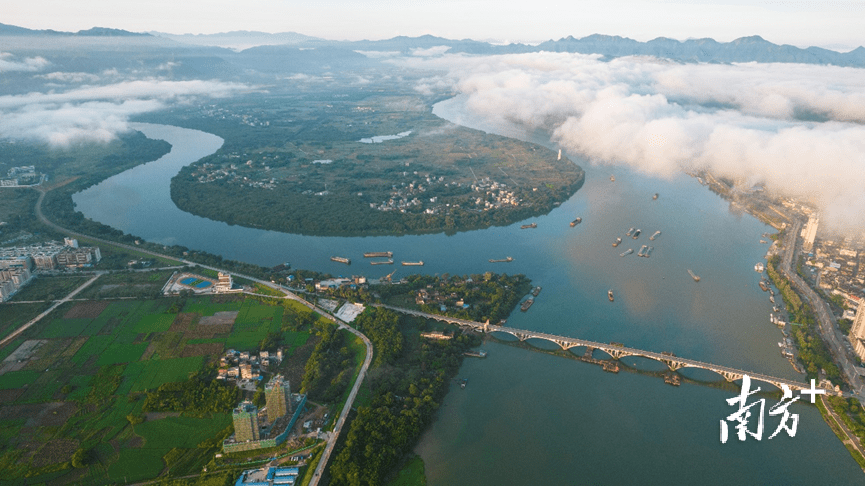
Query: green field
(92, 362)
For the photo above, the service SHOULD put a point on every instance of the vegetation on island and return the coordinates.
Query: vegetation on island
(314, 175)
(477, 297)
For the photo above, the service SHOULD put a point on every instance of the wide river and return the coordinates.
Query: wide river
(531, 418)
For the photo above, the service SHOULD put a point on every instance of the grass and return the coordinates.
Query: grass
(49, 288)
(183, 432)
(17, 379)
(14, 316)
(121, 353)
(137, 464)
(411, 474)
(65, 328)
(150, 374)
(153, 323)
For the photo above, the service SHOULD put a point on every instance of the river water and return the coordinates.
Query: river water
(531, 418)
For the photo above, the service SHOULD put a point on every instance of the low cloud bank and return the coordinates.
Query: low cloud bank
(9, 63)
(96, 113)
(796, 128)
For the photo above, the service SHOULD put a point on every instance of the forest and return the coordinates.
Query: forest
(406, 390)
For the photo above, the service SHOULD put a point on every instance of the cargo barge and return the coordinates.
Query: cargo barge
(528, 303)
(385, 262)
(657, 234)
(347, 261)
(627, 252)
(617, 242)
(503, 260)
(413, 264)
(528, 226)
(378, 254)
(636, 234)
(576, 222)
(693, 275)
(536, 291)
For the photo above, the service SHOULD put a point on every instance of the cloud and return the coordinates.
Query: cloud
(30, 64)
(796, 128)
(432, 51)
(96, 113)
(66, 77)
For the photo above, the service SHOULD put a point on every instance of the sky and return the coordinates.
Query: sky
(834, 24)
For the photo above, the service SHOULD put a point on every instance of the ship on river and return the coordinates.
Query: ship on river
(627, 252)
(610, 295)
(413, 264)
(642, 251)
(528, 303)
(693, 275)
(503, 260)
(338, 259)
(617, 242)
(630, 232)
(378, 254)
(383, 262)
(528, 226)
(655, 196)
(657, 233)
(536, 291)
(636, 234)
(576, 221)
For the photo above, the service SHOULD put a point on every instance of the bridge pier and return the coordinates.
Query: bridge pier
(731, 376)
(673, 365)
(616, 353)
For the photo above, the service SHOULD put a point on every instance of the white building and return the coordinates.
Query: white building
(857, 333)
(810, 233)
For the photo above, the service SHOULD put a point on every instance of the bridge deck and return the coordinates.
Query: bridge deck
(674, 362)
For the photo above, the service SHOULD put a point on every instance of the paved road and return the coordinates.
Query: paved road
(826, 320)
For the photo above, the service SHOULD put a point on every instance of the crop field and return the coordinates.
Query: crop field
(76, 377)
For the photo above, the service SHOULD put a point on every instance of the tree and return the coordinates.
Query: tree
(81, 458)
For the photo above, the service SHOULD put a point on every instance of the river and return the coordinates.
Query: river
(531, 418)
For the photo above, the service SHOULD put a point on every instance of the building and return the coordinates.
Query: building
(79, 257)
(269, 476)
(12, 279)
(70, 242)
(246, 422)
(277, 392)
(857, 333)
(810, 233)
(224, 284)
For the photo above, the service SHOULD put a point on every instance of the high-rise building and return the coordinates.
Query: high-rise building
(857, 332)
(245, 422)
(809, 233)
(277, 392)
(224, 284)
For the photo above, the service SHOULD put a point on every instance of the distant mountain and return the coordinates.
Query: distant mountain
(745, 49)
(239, 39)
(94, 32)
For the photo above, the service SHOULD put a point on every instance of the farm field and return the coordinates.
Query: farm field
(78, 382)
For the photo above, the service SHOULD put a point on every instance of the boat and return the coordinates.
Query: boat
(378, 254)
(611, 366)
(528, 303)
(612, 178)
(772, 299)
(764, 242)
(618, 240)
(503, 260)
(610, 295)
(759, 267)
(693, 275)
(560, 155)
(536, 291)
(655, 196)
(576, 221)
(763, 286)
(642, 251)
(347, 261)
(527, 226)
(657, 233)
(672, 379)
(463, 383)
(649, 251)
(636, 234)
(776, 309)
(413, 264)
(630, 232)
(385, 262)
(476, 354)
(627, 252)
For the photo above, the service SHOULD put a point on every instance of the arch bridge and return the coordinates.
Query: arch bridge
(616, 351)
